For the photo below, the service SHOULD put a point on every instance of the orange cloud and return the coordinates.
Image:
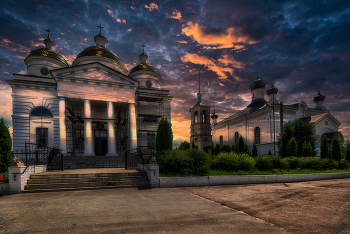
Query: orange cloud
(129, 30)
(183, 42)
(219, 66)
(176, 15)
(124, 21)
(110, 12)
(132, 7)
(118, 20)
(152, 6)
(227, 39)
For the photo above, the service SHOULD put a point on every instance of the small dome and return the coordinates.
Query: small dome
(144, 67)
(257, 83)
(214, 116)
(100, 40)
(45, 52)
(101, 51)
(319, 97)
(272, 90)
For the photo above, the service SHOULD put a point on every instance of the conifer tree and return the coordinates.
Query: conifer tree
(5, 146)
(269, 153)
(193, 146)
(306, 150)
(324, 147)
(164, 137)
(254, 150)
(336, 154)
(241, 148)
(347, 150)
(292, 147)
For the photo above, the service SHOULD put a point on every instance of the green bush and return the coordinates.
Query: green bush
(306, 150)
(164, 136)
(217, 149)
(190, 161)
(270, 162)
(324, 147)
(336, 154)
(254, 150)
(226, 148)
(184, 145)
(347, 150)
(5, 177)
(292, 147)
(233, 162)
(241, 147)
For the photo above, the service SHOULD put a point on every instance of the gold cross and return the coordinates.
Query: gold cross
(143, 49)
(257, 70)
(48, 32)
(272, 76)
(100, 28)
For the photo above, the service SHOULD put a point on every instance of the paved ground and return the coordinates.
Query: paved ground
(161, 210)
(306, 207)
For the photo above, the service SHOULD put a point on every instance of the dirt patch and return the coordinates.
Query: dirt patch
(305, 207)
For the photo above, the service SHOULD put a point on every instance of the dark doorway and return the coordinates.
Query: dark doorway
(101, 147)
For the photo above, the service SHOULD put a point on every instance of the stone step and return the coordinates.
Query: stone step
(85, 188)
(112, 175)
(84, 184)
(83, 179)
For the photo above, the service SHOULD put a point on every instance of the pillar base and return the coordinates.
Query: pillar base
(88, 154)
(112, 154)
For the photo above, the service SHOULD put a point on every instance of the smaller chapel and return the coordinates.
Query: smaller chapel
(260, 122)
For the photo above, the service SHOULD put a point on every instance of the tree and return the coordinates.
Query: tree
(184, 145)
(212, 149)
(226, 148)
(254, 150)
(241, 148)
(292, 147)
(193, 146)
(269, 153)
(164, 137)
(217, 149)
(5, 146)
(324, 147)
(347, 150)
(235, 148)
(306, 150)
(301, 131)
(336, 154)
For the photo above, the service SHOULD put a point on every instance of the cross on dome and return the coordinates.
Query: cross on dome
(100, 28)
(143, 48)
(48, 32)
(257, 70)
(272, 76)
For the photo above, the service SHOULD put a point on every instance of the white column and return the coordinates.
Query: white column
(62, 121)
(112, 151)
(132, 127)
(88, 143)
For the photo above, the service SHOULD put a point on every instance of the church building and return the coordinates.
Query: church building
(259, 123)
(95, 107)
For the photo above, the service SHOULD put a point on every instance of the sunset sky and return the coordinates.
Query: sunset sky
(300, 42)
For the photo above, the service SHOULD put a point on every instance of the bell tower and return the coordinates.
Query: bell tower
(200, 123)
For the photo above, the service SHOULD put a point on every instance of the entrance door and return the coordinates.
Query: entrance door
(101, 147)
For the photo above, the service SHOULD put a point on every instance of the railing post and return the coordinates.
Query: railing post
(37, 157)
(126, 160)
(62, 160)
(25, 148)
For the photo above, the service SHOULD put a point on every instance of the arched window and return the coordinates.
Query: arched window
(41, 112)
(204, 116)
(257, 135)
(196, 117)
(236, 137)
(221, 140)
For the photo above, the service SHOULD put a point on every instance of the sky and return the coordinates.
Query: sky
(300, 42)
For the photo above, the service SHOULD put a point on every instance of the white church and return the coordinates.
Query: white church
(95, 107)
(259, 123)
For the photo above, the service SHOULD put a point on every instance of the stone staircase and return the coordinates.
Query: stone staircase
(71, 182)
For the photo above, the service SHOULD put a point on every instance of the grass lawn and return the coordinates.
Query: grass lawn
(5, 177)
(257, 172)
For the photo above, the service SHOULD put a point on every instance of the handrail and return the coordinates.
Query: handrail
(21, 173)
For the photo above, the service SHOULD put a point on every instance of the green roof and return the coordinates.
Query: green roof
(144, 67)
(103, 52)
(47, 53)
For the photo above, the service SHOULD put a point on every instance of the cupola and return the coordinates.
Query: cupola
(319, 99)
(257, 87)
(214, 117)
(272, 92)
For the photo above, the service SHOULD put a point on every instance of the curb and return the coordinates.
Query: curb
(169, 182)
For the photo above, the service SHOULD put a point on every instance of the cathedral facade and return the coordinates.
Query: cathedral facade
(260, 122)
(95, 107)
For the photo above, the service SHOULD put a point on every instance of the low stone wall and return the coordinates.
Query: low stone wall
(167, 182)
(17, 180)
(152, 173)
(4, 188)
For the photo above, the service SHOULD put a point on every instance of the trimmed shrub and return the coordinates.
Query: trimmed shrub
(217, 149)
(254, 150)
(184, 145)
(226, 148)
(336, 154)
(292, 147)
(324, 147)
(347, 150)
(200, 161)
(306, 150)
(270, 162)
(233, 162)
(164, 136)
(5, 146)
(241, 147)
(234, 148)
(269, 153)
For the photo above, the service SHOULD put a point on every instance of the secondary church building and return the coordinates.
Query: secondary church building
(95, 107)
(259, 122)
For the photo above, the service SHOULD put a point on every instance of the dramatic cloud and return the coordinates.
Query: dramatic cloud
(152, 6)
(176, 15)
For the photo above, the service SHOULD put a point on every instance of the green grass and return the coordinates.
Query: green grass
(5, 177)
(257, 172)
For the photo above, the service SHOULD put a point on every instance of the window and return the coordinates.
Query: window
(257, 135)
(151, 140)
(41, 112)
(195, 117)
(44, 71)
(236, 137)
(42, 136)
(204, 118)
(221, 140)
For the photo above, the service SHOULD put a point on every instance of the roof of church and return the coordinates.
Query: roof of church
(144, 67)
(254, 106)
(47, 53)
(103, 52)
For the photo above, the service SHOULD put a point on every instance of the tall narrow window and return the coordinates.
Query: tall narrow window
(221, 140)
(204, 118)
(195, 117)
(257, 135)
(236, 137)
(42, 136)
